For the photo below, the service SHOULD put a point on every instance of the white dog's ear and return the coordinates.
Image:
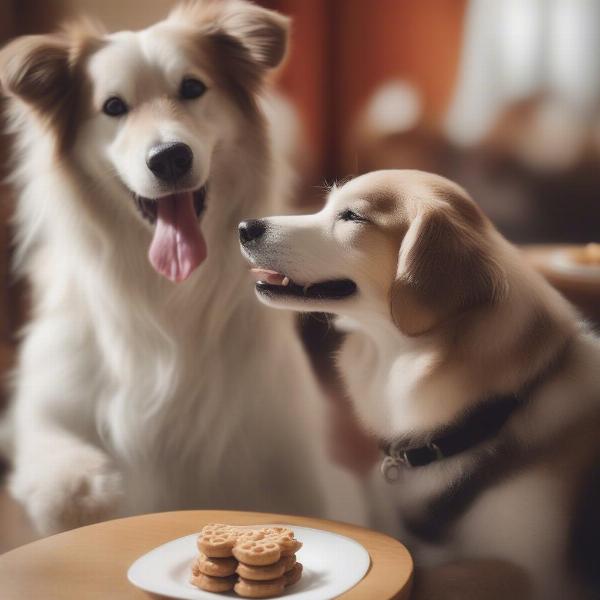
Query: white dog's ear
(255, 38)
(40, 69)
(44, 72)
(263, 33)
(242, 41)
(35, 68)
(444, 269)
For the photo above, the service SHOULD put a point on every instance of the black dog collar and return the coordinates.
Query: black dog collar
(477, 425)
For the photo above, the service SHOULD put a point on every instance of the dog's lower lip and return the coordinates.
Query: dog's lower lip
(148, 207)
(335, 289)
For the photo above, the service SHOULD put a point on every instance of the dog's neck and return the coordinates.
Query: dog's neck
(409, 385)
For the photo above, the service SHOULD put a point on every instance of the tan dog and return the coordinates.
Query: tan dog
(476, 375)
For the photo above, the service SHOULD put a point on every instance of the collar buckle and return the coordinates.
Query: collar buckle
(398, 458)
(393, 462)
(391, 469)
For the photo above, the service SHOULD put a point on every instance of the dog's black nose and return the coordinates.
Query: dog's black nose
(171, 161)
(251, 230)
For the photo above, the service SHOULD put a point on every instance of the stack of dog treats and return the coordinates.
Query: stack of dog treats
(255, 562)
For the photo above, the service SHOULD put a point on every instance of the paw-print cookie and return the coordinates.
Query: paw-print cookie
(256, 562)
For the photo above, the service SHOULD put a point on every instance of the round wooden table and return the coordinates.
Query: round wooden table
(91, 562)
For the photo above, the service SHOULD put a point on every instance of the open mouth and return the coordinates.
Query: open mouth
(148, 207)
(178, 246)
(272, 283)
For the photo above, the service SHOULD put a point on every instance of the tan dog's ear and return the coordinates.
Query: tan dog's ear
(263, 33)
(35, 68)
(444, 269)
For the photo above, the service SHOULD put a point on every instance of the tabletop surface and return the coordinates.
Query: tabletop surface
(91, 562)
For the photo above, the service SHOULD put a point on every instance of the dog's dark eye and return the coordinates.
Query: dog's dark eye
(191, 88)
(114, 107)
(350, 215)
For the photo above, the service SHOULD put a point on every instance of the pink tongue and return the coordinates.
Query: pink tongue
(178, 245)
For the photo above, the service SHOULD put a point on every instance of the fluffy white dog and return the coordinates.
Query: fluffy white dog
(133, 393)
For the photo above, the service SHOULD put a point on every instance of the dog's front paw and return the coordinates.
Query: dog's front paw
(72, 490)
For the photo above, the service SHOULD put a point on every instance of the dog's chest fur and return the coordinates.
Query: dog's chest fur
(512, 499)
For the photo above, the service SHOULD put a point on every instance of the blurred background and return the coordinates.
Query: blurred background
(503, 97)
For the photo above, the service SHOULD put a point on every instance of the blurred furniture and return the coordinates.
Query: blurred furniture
(516, 49)
(92, 562)
(525, 117)
(577, 283)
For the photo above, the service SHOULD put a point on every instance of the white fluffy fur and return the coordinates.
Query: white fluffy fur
(133, 394)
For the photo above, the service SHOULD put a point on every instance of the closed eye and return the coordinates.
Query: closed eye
(350, 215)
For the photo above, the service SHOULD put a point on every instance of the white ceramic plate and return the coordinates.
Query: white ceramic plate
(332, 564)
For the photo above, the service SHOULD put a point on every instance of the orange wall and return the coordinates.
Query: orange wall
(342, 49)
